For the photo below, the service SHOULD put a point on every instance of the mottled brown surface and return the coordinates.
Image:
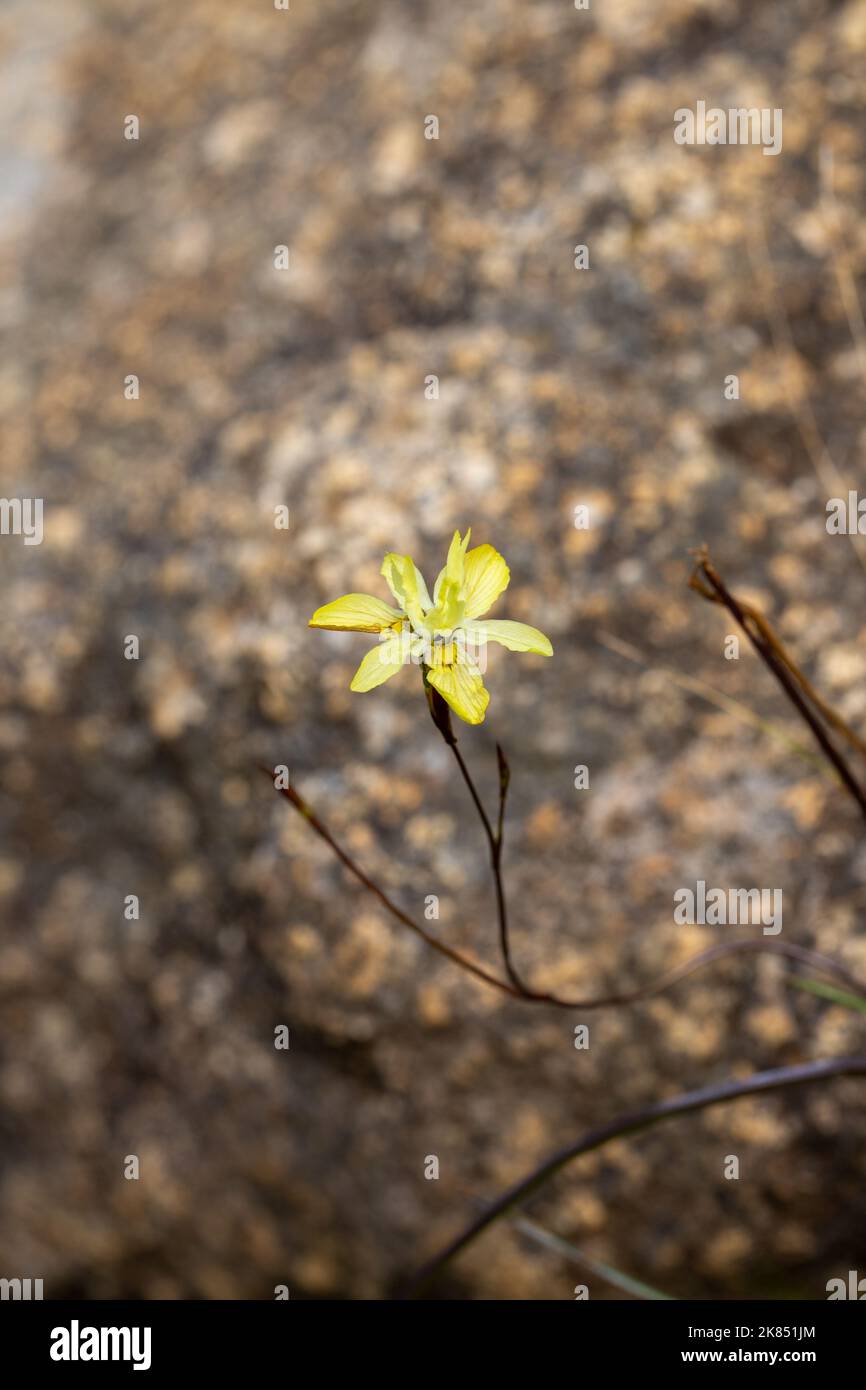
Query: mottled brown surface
(412, 257)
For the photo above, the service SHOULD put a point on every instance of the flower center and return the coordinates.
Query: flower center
(444, 652)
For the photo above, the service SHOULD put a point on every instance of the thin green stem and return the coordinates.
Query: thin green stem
(835, 996)
(636, 1287)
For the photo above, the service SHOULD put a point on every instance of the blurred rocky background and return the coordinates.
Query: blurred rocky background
(306, 388)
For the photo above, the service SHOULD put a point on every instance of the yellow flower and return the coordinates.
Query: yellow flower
(443, 633)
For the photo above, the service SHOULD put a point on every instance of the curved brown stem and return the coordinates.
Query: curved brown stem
(632, 1123)
(442, 720)
(823, 964)
(494, 840)
(309, 815)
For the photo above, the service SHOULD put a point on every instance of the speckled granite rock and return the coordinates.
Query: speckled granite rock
(306, 388)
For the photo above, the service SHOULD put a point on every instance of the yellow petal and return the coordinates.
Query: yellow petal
(517, 637)
(449, 609)
(485, 577)
(355, 613)
(379, 665)
(454, 564)
(406, 583)
(462, 687)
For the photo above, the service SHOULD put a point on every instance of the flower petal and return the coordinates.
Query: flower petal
(449, 609)
(462, 687)
(486, 576)
(454, 564)
(355, 613)
(517, 637)
(406, 583)
(381, 663)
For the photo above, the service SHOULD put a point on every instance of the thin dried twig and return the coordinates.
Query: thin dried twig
(707, 581)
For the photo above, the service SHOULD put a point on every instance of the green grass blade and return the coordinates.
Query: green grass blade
(636, 1287)
(836, 996)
